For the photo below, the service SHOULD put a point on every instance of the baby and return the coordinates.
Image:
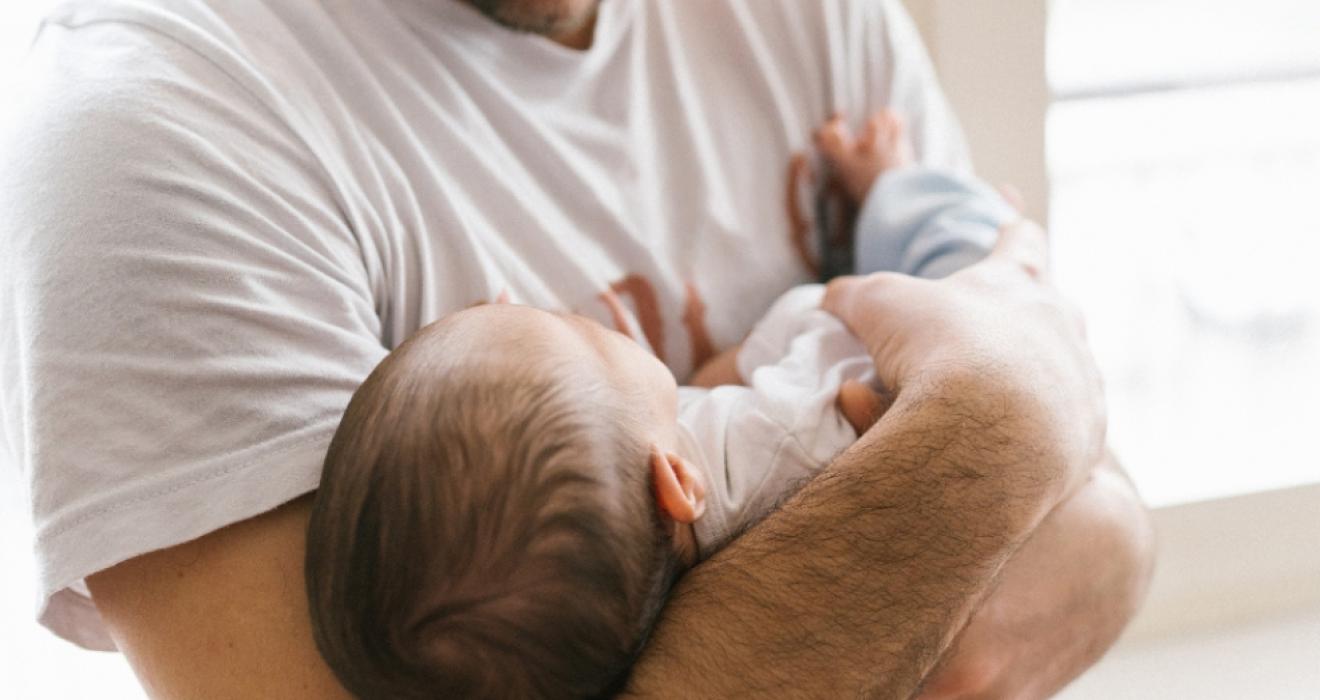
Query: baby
(512, 492)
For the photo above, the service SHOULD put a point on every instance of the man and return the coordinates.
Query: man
(221, 215)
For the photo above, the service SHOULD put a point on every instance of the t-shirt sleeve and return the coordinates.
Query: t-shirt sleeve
(185, 314)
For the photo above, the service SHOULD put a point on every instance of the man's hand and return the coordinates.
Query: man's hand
(1000, 321)
(861, 582)
(1060, 602)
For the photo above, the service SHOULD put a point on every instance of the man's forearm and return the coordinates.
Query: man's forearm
(860, 583)
(1060, 602)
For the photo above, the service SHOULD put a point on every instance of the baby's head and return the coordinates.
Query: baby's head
(501, 513)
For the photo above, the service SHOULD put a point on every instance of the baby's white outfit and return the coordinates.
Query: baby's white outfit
(785, 422)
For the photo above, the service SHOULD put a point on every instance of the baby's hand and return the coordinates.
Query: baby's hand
(859, 160)
(861, 405)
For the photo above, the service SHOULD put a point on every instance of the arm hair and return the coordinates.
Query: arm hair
(858, 585)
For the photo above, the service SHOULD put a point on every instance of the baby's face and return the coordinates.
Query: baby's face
(521, 331)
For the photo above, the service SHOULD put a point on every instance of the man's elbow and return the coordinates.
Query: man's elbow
(1125, 522)
(1062, 602)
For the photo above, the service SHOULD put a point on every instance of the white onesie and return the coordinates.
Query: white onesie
(784, 420)
(784, 423)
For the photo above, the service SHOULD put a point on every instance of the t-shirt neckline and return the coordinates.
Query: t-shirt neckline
(458, 21)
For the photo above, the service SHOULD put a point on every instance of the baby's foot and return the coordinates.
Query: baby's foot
(857, 161)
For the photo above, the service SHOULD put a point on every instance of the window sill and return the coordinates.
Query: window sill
(1232, 561)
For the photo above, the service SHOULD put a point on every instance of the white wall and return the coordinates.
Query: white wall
(990, 55)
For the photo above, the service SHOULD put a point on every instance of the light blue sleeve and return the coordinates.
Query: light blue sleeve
(928, 223)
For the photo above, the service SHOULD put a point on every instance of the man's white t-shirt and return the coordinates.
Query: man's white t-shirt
(218, 216)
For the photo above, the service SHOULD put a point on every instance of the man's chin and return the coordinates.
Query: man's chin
(546, 17)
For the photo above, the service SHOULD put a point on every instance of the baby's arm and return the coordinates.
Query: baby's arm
(721, 370)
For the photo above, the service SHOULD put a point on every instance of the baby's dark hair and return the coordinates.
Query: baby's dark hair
(484, 530)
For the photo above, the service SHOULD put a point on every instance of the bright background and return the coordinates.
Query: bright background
(1173, 147)
(1183, 153)
(1185, 170)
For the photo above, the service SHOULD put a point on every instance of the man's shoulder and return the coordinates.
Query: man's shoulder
(102, 74)
(132, 57)
(178, 19)
(124, 105)
(217, 45)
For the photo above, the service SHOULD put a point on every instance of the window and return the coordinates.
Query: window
(1184, 161)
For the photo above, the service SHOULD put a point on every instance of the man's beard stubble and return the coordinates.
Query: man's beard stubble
(545, 17)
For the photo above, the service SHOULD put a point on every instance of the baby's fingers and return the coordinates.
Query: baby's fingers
(872, 132)
(861, 405)
(835, 140)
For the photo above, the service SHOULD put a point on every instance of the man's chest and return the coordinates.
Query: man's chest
(658, 194)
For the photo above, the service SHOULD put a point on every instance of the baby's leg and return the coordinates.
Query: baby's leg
(720, 370)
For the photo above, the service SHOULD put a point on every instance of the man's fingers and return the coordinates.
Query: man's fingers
(844, 294)
(1024, 243)
(841, 292)
(837, 294)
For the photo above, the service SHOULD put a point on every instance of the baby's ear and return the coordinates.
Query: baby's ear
(680, 488)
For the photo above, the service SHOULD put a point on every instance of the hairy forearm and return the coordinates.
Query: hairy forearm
(1061, 601)
(860, 583)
